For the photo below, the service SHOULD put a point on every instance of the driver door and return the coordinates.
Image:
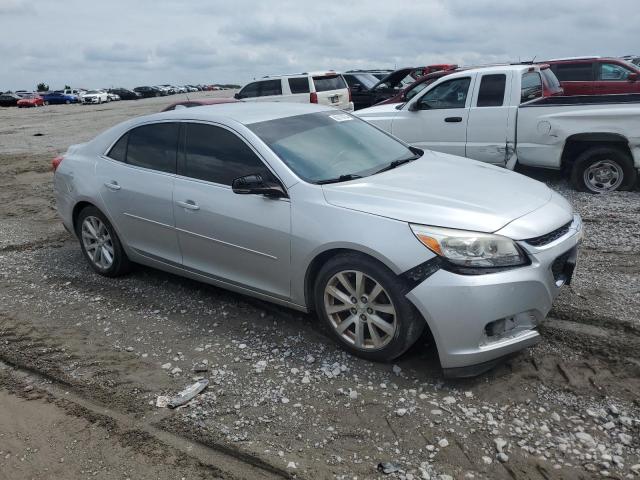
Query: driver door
(439, 121)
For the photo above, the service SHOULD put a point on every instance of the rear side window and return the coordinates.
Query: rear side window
(574, 72)
(299, 85)
(531, 87)
(491, 93)
(329, 82)
(449, 94)
(218, 155)
(154, 146)
(119, 150)
(249, 91)
(270, 87)
(611, 72)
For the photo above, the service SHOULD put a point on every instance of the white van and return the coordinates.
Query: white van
(323, 88)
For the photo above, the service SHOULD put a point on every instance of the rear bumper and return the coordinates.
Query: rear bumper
(477, 319)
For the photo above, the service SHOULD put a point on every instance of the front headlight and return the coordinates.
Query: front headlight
(471, 249)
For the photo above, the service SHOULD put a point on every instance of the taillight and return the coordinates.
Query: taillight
(55, 163)
(313, 97)
(350, 98)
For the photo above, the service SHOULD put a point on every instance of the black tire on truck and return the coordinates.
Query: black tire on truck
(603, 169)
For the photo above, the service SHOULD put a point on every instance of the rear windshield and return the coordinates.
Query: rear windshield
(329, 82)
(325, 145)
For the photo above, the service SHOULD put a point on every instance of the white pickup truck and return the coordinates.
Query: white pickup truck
(499, 115)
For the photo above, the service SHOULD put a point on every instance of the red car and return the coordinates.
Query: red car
(30, 101)
(550, 85)
(596, 75)
(198, 102)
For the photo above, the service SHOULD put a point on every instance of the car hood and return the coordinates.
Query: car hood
(394, 77)
(382, 110)
(443, 190)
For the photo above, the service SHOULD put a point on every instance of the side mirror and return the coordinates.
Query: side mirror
(632, 77)
(237, 96)
(414, 107)
(255, 185)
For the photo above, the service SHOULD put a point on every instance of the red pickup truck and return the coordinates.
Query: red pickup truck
(596, 75)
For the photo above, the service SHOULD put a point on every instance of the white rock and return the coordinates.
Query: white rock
(305, 379)
(502, 457)
(443, 443)
(436, 411)
(614, 410)
(284, 400)
(586, 439)
(487, 460)
(555, 417)
(626, 421)
(242, 346)
(310, 359)
(166, 366)
(353, 395)
(396, 369)
(449, 400)
(500, 443)
(176, 371)
(292, 465)
(401, 412)
(625, 439)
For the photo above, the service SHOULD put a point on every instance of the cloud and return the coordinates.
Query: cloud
(163, 41)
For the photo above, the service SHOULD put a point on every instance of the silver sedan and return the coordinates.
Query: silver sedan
(315, 209)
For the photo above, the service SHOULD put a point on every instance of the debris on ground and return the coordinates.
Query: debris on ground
(188, 393)
(388, 468)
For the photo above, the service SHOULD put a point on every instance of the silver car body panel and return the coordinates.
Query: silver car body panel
(264, 247)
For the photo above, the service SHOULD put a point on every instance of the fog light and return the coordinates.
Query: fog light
(500, 327)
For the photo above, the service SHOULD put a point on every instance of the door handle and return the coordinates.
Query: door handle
(453, 119)
(189, 205)
(113, 185)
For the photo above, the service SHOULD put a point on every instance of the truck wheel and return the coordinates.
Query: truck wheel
(365, 308)
(603, 170)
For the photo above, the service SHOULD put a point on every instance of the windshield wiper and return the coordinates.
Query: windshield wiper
(341, 178)
(397, 163)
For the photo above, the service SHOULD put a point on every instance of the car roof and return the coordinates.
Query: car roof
(245, 113)
(500, 68)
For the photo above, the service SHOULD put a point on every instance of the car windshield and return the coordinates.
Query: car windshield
(94, 91)
(324, 146)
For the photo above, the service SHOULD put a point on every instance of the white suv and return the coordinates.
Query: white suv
(323, 88)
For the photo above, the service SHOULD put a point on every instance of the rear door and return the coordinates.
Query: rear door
(332, 90)
(243, 240)
(440, 121)
(490, 128)
(576, 78)
(136, 185)
(614, 78)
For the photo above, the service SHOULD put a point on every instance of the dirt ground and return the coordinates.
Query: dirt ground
(84, 358)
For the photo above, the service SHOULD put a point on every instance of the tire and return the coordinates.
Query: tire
(602, 170)
(67, 102)
(46, 103)
(401, 329)
(120, 263)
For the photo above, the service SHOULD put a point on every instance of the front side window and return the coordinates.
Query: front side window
(329, 82)
(299, 85)
(416, 90)
(574, 72)
(154, 146)
(218, 155)
(531, 87)
(449, 94)
(491, 93)
(249, 91)
(611, 72)
(321, 146)
(270, 87)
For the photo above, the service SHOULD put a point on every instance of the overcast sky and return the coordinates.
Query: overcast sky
(86, 43)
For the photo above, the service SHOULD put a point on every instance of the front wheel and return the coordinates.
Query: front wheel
(100, 243)
(602, 170)
(364, 305)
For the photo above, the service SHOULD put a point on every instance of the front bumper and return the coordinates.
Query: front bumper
(476, 319)
(90, 100)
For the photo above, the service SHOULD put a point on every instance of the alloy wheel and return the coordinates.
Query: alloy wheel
(360, 310)
(603, 176)
(97, 242)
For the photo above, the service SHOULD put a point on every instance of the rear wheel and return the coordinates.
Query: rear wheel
(365, 308)
(67, 102)
(100, 243)
(602, 170)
